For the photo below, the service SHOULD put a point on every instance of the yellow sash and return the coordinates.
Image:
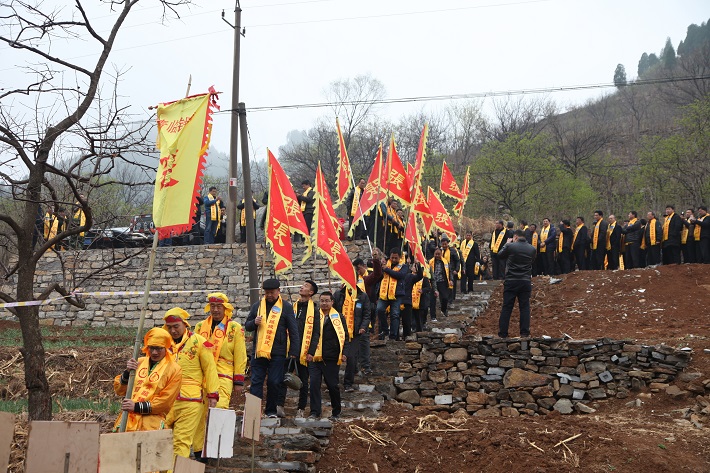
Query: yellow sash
(307, 331)
(388, 286)
(466, 249)
(214, 210)
(535, 238)
(416, 295)
(349, 312)
(684, 235)
(609, 231)
(652, 231)
(666, 225)
(216, 338)
(303, 204)
(356, 201)
(339, 330)
(446, 267)
(495, 242)
(543, 237)
(697, 229)
(146, 382)
(595, 239)
(576, 231)
(267, 329)
(560, 242)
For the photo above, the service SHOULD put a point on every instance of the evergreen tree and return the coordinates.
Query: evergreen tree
(620, 75)
(643, 65)
(668, 57)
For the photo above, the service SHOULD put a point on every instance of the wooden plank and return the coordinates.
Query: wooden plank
(7, 432)
(185, 465)
(251, 424)
(119, 452)
(219, 438)
(50, 442)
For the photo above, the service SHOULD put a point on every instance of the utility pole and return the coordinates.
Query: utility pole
(251, 231)
(234, 134)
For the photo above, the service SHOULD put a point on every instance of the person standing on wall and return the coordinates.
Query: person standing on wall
(519, 256)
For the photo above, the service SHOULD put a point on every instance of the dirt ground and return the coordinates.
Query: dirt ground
(652, 306)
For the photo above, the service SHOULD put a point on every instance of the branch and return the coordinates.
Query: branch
(67, 296)
(14, 44)
(6, 298)
(88, 25)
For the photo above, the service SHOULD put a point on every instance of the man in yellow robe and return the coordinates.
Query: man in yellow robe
(199, 373)
(157, 384)
(228, 347)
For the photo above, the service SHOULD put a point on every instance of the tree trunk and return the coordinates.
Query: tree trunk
(39, 398)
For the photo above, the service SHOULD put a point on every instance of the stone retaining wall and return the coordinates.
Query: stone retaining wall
(493, 377)
(203, 268)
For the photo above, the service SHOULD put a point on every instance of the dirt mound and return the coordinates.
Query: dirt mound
(407, 441)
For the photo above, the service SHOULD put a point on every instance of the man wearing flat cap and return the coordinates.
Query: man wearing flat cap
(274, 325)
(199, 377)
(306, 311)
(226, 340)
(157, 384)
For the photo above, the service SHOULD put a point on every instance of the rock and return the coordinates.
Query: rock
(477, 398)
(451, 338)
(547, 402)
(496, 371)
(675, 392)
(438, 376)
(563, 406)
(489, 412)
(578, 394)
(658, 386)
(456, 354)
(509, 412)
(597, 393)
(605, 377)
(565, 391)
(443, 400)
(411, 397)
(634, 403)
(696, 387)
(584, 409)
(543, 391)
(518, 378)
(521, 397)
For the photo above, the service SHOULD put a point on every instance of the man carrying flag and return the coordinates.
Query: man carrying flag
(391, 294)
(214, 206)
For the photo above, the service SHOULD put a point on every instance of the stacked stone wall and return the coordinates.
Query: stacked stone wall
(493, 377)
(203, 269)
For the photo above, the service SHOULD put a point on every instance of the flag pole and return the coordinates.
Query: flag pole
(390, 152)
(379, 191)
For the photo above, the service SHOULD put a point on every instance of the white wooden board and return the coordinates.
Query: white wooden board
(251, 424)
(7, 432)
(185, 465)
(219, 439)
(50, 442)
(118, 452)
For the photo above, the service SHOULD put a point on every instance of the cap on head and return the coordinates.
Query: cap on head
(271, 284)
(157, 337)
(219, 298)
(176, 314)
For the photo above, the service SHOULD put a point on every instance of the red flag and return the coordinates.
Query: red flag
(344, 182)
(293, 209)
(421, 157)
(397, 183)
(421, 207)
(323, 192)
(442, 220)
(329, 245)
(373, 193)
(448, 183)
(278, 231)
(410, 173)
(458, 208)
(411, 234)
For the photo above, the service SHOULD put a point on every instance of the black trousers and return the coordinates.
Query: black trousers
(319, 371)
(453, 288)
(653, 255)
(598, 257)
(353, 353)
(632, 258)
(405, 316)
(580, 259)
(467, 278)
(703, 249)
(565, 260)
(419, 316)
(548, 261)
(443, 288)
(520, 290)
(498, 267)
(688, 251)
(302, 372)
(613, 258)
(671, 254)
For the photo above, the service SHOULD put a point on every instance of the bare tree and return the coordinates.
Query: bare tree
(467, 127)
(353, 101)
(519, 116)
(74, 110)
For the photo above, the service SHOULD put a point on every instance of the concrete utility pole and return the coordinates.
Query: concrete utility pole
(234, 135)
(251, 231)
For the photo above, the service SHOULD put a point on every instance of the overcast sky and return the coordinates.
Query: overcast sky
(294, 49)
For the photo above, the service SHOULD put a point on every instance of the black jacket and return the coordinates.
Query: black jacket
(674, 229)
(601, 238)
(452, 255)
(633, 233)
(309, 199)
(647, 233)
(399, 276)
(704, 227)
(362, 309)
(330, 345)
(567, 234)
(473, 255)
(286, 330)
(582, 241)
(409, 281)
(615, 237)
(430, 249)
(520, 256)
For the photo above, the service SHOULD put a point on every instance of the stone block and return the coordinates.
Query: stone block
(456, 354)
(438, 376)
(521, 397)
(578, 394)
(496, 371)
(597, 393)
(477, 398)
(543, 391)
(509, 412)
(518, 378)
(563, 406)
(488, 412)
(565, 391)
(411, 397)
(443, 399)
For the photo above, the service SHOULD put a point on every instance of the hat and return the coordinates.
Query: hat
(176, 314)
(271, 284)
(219, 298)
(444, 238)
(315, 286)
(158, 337)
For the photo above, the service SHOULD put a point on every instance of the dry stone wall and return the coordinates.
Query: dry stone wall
(203, 269)
(512, 377)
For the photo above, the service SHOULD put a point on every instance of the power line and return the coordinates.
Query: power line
(472, 95)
